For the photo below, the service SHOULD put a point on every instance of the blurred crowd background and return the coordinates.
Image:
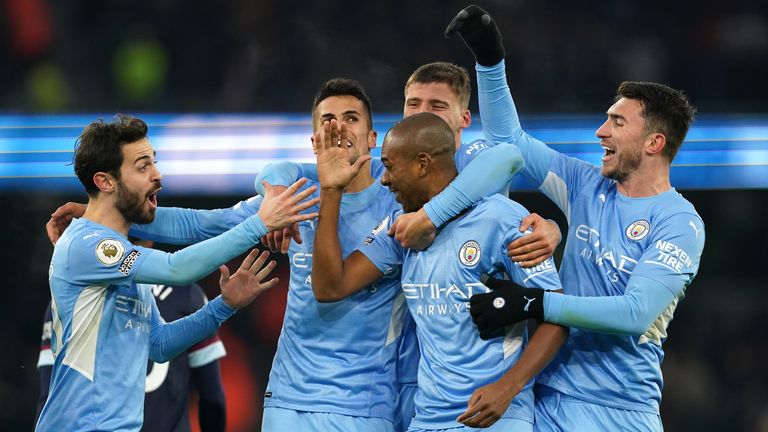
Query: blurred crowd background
(268, 56)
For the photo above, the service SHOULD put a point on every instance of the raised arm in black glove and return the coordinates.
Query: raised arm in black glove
(506, 304)
(479, 32)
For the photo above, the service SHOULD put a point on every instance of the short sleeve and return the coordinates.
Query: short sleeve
(382, 250)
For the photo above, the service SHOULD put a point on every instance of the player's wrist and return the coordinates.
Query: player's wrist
(424, 220)
(331, 192)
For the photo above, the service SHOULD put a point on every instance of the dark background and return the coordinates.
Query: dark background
(245, 56)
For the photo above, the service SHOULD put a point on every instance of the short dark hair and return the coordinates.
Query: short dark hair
(665, 110)
(99, 148)
(455, 76)
(343, 87)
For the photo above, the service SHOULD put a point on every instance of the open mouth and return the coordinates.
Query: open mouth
(609, 153)
(152, 198)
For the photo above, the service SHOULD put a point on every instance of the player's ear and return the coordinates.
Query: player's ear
(104, 181)
(314, 145)
(655, 143)
(466, 119)
(425, 161)
(372, 136)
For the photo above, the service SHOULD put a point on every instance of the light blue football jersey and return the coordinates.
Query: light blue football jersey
(612, 238)
(339, 357)
(100, 332)
(408, 358)
(437, 284)
(105, 327)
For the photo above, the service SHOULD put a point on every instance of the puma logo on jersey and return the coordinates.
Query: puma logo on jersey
(693, 225)
(602, 197)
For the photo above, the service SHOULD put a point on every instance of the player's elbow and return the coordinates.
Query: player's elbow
(158, 356)
(513, 158)
(326, 291)
(325, 296)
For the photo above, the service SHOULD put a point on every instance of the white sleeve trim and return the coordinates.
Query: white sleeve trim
(207, 354)
(45, 359)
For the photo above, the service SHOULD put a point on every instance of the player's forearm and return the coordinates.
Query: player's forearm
(327, 261)
(541, 349)
(629, 314)
(193, 262)
(167, 340)
(488, 173)
(187, 226)
(284, 174)
(501, 123)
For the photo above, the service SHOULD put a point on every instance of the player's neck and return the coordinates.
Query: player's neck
(645, 183)
(103, 211)
(361, 181)
(438, 181)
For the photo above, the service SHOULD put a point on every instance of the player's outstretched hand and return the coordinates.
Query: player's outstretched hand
(240, 289)
(487, 404)
(535, 248)
(413, 230)
(480, 33)
(332, 145)
(61, 218)
(281, 209)
(506, 304)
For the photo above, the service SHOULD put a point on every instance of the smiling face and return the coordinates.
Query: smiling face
(401, 174)
(623, 138)
(139, 183)
(437, 98)
(352, 112)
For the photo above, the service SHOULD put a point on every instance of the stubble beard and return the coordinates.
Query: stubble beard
(131, 206)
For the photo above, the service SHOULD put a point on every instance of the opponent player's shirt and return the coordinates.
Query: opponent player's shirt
(612, 238)
(339, 357)
(167, 385)
(100, 333)
(437, 284)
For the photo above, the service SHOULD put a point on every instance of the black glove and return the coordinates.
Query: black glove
(507, 304)
(479, 32)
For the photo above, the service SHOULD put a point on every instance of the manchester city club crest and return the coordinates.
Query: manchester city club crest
(469, 254)
(109, 251)
(638, 230)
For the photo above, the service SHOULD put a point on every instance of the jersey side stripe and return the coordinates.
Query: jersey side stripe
(555, 188)
(81, 353)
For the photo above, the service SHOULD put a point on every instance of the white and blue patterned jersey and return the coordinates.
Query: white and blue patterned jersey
(339, 357)
(105, 327)
(613, 239)
(437, 284)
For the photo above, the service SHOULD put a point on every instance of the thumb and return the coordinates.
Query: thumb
(456, 23)
(267, 187)
(360, 161)
(224, 270)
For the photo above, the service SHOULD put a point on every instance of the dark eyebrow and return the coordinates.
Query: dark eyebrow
(328, 116)
(154, 153)
(616, 116)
